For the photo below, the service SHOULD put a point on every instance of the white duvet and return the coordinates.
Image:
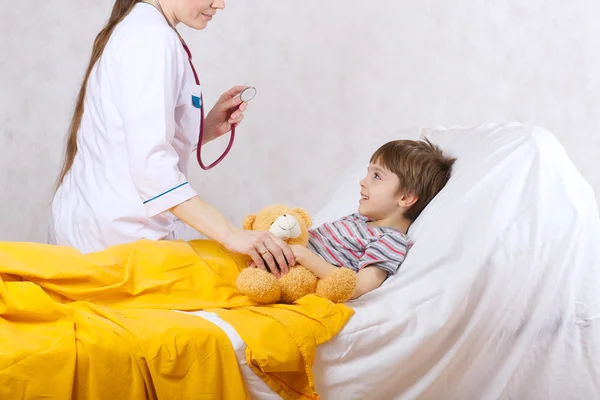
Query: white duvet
(499, 298)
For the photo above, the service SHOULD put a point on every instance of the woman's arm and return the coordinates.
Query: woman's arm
(367, 279)
(146, 97)
(208, 220)
(204, 218)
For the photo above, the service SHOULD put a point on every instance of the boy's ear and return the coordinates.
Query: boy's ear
(249, 222)
(407, 200)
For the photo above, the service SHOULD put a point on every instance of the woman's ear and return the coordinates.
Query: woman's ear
(248, 223)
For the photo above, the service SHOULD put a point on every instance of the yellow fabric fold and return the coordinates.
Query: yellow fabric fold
(100, 325)
(282, 341)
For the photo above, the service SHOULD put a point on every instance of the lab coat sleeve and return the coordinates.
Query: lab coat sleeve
(150, 70)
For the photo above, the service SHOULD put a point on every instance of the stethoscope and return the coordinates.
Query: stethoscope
(246, 95)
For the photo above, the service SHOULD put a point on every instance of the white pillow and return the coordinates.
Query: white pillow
(498, 297)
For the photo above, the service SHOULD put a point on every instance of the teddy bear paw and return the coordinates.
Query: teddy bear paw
(338, 286)
(297, 283)
(259, 286)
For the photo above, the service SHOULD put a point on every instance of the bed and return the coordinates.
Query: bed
(499, 297)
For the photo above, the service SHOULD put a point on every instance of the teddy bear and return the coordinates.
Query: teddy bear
(291, 225)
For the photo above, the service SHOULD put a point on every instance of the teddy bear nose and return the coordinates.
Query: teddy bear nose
(286, 227)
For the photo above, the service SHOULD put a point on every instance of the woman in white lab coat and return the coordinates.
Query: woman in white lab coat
(134, 127)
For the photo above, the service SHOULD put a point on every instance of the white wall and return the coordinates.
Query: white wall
(329, 73)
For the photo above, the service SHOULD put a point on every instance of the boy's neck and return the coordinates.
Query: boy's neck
(402, 224)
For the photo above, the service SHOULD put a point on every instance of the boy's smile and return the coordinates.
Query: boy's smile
(379, 193)
(382, 198)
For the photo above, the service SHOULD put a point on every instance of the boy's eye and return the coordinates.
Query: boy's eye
(377, 175)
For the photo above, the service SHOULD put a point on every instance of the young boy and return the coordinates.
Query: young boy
(403, 177)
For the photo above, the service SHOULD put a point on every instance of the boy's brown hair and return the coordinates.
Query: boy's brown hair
(421, 166)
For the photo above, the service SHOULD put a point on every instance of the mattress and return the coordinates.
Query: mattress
(499, 295)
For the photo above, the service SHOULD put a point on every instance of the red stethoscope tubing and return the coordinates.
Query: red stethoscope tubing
(201, 133)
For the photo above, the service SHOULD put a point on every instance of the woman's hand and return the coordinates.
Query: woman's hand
(265, 249)
(228, 111)
(302, 256)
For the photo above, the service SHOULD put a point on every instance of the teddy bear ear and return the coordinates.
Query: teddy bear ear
(305, 216)
(249, 222)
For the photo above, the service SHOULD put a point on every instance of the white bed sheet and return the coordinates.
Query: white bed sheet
(257, 388)
(499, 298)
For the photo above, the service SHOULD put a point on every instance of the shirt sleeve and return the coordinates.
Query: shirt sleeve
(386, 253)
(149, 78)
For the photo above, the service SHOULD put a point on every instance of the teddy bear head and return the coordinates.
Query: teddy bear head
(287, 223)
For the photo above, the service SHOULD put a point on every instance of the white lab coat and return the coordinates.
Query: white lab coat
(138, 131)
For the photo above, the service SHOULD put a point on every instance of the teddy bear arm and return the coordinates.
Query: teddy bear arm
(339, 286)
(297, 283)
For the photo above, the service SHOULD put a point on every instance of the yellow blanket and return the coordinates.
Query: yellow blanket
(100, 326)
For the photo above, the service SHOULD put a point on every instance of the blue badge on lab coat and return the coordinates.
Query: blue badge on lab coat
(196, 101)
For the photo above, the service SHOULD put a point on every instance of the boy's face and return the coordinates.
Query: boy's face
(380, 196)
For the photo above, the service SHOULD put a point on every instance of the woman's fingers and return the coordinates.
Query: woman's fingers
(275, 253)
(271, 264)
(257, 260)
(234, 91)
(283, 254)
(231, 98)
(287, 251)
(265, 249)
(270, 253)
(230, 104)
(240, 111)
(277, 256)
(236, 118)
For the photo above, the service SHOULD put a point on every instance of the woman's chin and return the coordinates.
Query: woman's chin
(198, 24)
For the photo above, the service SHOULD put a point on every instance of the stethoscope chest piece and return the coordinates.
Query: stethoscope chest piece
(248, 94)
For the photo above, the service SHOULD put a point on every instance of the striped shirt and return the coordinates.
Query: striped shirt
(350, 242)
